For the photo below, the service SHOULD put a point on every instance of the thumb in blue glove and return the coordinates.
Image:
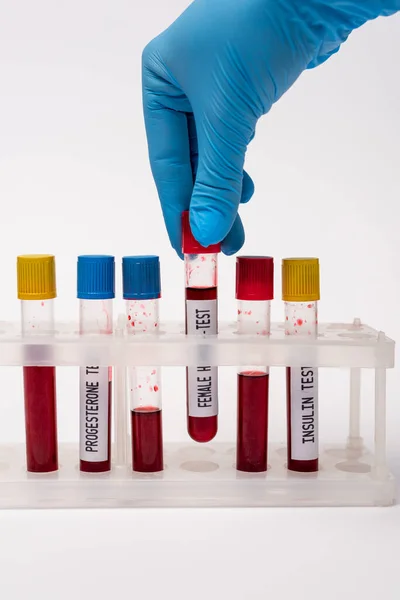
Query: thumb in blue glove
(209, 78)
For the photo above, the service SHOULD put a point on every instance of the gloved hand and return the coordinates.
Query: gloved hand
(209, 78)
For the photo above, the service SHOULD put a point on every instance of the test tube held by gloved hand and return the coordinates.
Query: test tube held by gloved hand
(201, 311)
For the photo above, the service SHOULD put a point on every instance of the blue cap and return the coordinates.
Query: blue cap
(141, 278)
(96, 277)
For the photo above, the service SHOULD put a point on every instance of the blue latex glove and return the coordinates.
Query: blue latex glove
(209, 78)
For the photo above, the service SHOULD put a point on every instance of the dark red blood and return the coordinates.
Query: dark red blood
(252, 422)
(40, 419)
(105, 465)
(300, 466)
(201, 293)
(201, 429)
(147, 439)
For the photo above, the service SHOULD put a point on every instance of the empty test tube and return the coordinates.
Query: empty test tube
(96, 290)
(201, 308)
(254, 292)
(301, 292)
(142, 290)
(37, 289)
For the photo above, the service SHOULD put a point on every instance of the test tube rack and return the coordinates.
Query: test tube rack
(196, 475)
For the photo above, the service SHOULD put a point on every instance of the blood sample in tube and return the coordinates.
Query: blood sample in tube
(254, 292)
(96, 290)
(37, 290)
(142, 290)
(301, 292)
(201, 316)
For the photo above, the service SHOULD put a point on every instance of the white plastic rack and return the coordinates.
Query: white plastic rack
(204, 475)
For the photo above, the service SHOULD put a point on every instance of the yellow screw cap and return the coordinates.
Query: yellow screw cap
(36, 274)
(300, 280)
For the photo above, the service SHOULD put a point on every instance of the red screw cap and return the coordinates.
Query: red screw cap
(254, 278)
(189, 244)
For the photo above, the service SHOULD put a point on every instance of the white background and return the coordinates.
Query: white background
(74, 178)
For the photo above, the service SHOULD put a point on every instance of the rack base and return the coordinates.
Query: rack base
(196, 476)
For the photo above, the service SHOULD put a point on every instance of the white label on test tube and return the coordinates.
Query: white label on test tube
(301, 320)
(203, 380)
(304, 413)
(94, 386)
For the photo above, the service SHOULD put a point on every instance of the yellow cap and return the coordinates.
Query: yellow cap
(36, 274)
(300, 279)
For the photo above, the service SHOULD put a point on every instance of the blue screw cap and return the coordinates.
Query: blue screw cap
(141, 277)
(96, 277)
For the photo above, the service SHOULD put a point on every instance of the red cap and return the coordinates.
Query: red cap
(189, 244)
(254, 278)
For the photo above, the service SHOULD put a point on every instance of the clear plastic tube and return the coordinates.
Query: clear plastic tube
(95, 317)
(122, 441)
(254, 317)
(145, 392)
(201, 319)
(37, 318)
(301, 319)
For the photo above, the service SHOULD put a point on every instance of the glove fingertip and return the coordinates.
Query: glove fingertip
(235, 238)
(208, 226)
(247, 188)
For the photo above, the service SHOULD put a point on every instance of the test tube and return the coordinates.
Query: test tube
(254, 292)
(36, 276)
(96, 290)
(201, 273)
(301, 292)
(142, 290)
